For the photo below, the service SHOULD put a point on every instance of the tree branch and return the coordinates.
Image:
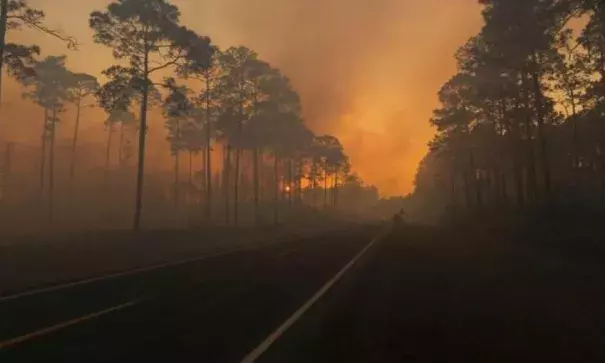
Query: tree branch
(167, 64)
(72, 43)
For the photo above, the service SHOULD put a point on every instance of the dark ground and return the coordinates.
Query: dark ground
(420, 295)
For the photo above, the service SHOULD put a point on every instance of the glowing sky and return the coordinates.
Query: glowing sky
(368, 71)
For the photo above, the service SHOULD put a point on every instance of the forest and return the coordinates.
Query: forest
(242, 153)
(521, 124)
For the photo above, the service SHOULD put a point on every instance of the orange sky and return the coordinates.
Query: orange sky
(367, 73)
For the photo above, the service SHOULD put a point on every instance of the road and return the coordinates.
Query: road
(418, 295)
(217, 309)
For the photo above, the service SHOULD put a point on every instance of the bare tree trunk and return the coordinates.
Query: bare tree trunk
(475, 181)
(236, 182)
(256, 177)
(107, 158)
(176, 191)
(227, 187)
(575, 141)
(120, 150)
(276, 204)
(43, 153)
(326, 184)
(299, 176)
(453, 193)
(335, 191)
(515, 145)
(72, 166)
(601, 12)
(142, 138)
(543, 144)
(51, 176)
(532, 184)
(314, 184)
(290, 187)
(177, 164)
(261, 176)
(3, 27)
(209, 200)
(467, 191)
(190, 181)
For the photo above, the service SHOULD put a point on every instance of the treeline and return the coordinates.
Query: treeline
(215, 102)
(522, 123)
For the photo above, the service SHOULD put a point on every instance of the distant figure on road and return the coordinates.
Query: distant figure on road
(398, 218)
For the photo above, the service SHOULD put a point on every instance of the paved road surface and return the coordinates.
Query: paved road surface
(420, 295)
(424, 296)
(217, 309)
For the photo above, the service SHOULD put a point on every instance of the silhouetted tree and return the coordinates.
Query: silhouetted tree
(19, 59)
(179, 111)
(82, 86)
(147, 34)
(501, 119)
(50, 90)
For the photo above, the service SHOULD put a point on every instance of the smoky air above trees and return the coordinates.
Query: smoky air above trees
(235, 117)
(366, 71)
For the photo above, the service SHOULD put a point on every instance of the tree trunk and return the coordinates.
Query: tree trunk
(532, 184)
(476, 180)
(453, 193)
(43, 153)
(107, 159)
(190, 181)
(51, 172)
(142, 138)
(3, 27)
(575, 157)
(314, 184)
(236, 182)
(276, 204)
(290, 183)
(208, 154)
(467, 191)
(256, 177)
(326, 184)
(176, 193)
(335, 189)
(72, 166)
(261, 176)
(543, 144)
(601, 12)
(120, 150)
(515, 145)
(226, 186)
(299, 177)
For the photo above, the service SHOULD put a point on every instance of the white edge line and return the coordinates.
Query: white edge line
(122, 274)
(45, 331)
(262, 348)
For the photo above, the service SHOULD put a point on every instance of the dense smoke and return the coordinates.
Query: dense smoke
(367, 71)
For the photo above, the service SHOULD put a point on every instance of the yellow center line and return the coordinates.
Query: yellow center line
(51, 329)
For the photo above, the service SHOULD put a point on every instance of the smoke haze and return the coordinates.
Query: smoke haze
(367, 71)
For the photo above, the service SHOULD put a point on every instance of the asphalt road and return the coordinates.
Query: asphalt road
(215, 310)
(418, 295)
(438, 296)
